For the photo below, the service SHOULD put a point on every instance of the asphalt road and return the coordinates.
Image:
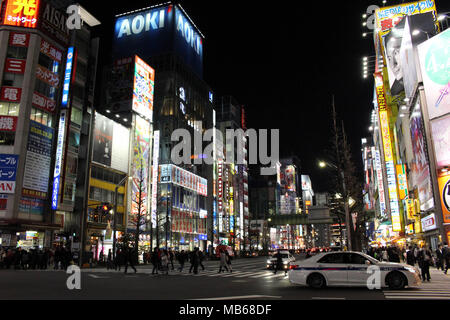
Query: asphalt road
(249, 280)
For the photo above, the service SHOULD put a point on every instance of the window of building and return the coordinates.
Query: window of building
(12, 80)
(69, 191)
(71, 165)
(76, 116)
(7, 138)
(9, 109)
(46, 62)
(45, 89)
(74, 140)
(41, 116)
(17, 52)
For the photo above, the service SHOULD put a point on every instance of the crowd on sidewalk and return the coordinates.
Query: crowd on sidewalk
(423, 257)
(35, 259)
(162, 260)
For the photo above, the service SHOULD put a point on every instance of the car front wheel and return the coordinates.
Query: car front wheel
(396, 281)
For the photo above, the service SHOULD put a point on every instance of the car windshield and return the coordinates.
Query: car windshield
(283, 256)
(373, 260)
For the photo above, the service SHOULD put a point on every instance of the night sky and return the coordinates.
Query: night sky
(283, 61)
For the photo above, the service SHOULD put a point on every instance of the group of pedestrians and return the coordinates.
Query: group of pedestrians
(423, 257)
(35, 259)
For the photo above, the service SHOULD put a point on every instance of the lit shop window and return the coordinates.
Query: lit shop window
(41, 117)
(9, 109)
(74, 140)
(12, 80)
(76, 116)
(7, 138)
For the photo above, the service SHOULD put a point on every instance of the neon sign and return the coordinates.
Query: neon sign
(67, 77)
(21, 13)
(58, 160)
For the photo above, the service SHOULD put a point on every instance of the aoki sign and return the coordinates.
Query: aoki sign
(144, 22)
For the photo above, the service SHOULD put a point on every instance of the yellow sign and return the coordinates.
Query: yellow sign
(410, 209)
(387, 18)
(402, 182)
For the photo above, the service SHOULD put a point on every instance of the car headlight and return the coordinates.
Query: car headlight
(285, 262)
(269, 262)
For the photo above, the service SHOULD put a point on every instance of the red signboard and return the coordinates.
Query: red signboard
(8, 123)
(15, 65)
(10, 94)
(43, 102)
(51, 51)
(47, 76)
(19, 39)
(21, 13)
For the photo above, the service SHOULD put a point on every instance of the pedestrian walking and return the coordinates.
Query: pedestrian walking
(119, 260)
(228, 260)
(223, 261)
(201, 257)
(155, 260)
(165, 261)
(129, 256)
(279, 262)
(171, 256)
(446, 256)
(109, 263)
(385, 255)
(439, 258)
(181, 260)
(195, 260)
(424, 258)
(410, 257)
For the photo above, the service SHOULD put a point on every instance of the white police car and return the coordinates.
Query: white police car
(286, 257)
(348, 268)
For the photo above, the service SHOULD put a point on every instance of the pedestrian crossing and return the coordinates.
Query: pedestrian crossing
(437, 289)
(257, 274)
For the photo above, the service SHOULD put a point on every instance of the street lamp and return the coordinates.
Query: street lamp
(323, 164)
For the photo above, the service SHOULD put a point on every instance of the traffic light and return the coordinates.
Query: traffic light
(106, 208)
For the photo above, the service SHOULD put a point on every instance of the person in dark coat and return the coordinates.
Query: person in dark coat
(446, 255)
(424, 258)
(439, 258)
(410, 259)
(195, 261)
(181, 260)
(279, 262)
(119, 260)
(155, 260)
(129, 259)
(201, 257)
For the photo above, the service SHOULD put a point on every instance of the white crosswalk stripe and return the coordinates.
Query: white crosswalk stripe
(425, 291)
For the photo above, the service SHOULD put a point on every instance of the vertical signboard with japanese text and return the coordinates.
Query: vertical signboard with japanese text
(388, 153)
(144, 83)
(155, 177)
(140, 171)
(59, 159)
(8, 169)
(444, 191)
(67, 76)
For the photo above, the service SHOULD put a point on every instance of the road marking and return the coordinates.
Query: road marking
(97, 277)
(240, 297)
(259, 275)
(244, 274)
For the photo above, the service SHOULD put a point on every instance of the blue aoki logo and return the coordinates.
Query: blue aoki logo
(188, 33)
(151, 20)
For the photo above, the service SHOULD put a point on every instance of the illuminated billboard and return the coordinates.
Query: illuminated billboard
(155, 177)
(157, 30)
(444, 191)
(440, 130)
(59, 159)
(420, 169)
(387, 18)
(21, 13)
(140, 170)
(67, 77)
(143, 86)
(434, 57)
(388, 153)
